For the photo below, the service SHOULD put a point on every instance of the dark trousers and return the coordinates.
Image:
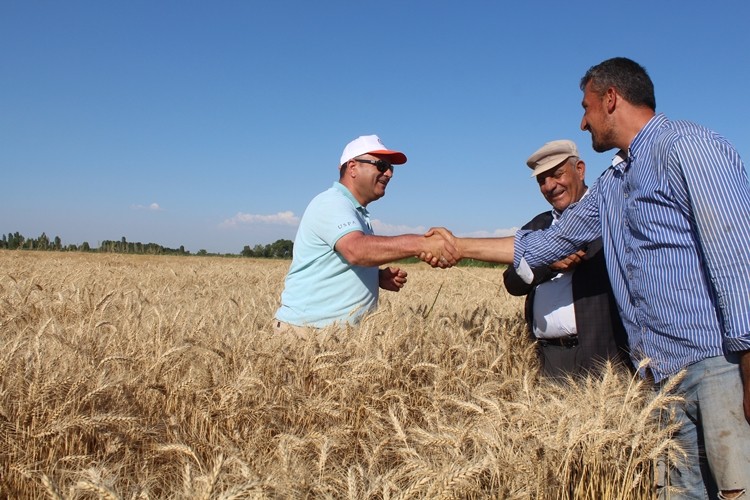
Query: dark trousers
(559, 361)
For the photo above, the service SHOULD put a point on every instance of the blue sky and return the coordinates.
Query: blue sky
(212, 124)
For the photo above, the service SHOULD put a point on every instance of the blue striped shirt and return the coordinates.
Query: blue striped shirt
(674, 216)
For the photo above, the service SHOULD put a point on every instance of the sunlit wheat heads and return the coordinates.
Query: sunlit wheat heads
(160, 377)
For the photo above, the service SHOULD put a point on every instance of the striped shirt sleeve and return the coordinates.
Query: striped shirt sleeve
(708, 175)
(577, 226)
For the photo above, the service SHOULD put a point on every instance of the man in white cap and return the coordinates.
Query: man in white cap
(570, 309)
(334, 277)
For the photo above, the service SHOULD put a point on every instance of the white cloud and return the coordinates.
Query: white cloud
(282, 218)
(383, 229)
(154, 207)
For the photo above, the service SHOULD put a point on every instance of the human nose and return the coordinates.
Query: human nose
(584, 123)
(548, 185)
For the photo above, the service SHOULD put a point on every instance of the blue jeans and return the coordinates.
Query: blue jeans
(714, 432)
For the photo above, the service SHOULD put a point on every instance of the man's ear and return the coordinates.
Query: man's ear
(581, 168)
(610, 99)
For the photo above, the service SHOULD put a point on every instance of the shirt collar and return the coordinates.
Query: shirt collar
(620, 160)
(641, 140)
(348, 194)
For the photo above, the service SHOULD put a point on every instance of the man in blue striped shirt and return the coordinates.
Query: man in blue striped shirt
(673, 212)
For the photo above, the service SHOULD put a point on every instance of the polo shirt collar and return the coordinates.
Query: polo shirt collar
(348, 195)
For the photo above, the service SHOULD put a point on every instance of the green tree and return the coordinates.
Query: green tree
(260, 250)
(18, 240)
(42, 243)
(281, 249)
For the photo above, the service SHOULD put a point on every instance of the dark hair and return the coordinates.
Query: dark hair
(627, 76)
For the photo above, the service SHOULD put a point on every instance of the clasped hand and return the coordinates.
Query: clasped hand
(440, 248)
(569, 262)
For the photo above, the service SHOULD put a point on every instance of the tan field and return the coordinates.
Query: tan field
(141, 377)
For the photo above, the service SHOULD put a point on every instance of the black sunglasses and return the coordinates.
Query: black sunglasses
(381, 165)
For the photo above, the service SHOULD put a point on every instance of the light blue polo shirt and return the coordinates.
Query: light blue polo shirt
(321, 287)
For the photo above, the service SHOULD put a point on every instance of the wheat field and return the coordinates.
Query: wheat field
(160, 377)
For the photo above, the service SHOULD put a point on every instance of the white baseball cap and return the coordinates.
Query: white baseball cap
(371, 144)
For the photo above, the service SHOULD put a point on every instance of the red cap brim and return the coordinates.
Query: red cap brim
(394, 157)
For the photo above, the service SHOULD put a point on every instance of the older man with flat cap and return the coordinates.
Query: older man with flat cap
(335, 277)
(570, 309)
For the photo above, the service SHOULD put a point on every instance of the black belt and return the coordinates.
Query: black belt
(570, 341)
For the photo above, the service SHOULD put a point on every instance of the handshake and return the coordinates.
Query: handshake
(440, 248)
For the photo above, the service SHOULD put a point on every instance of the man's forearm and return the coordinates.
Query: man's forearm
(499, 250)
(371, 250)
(378, 250)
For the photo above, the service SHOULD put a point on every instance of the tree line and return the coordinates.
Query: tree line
(280, 249)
